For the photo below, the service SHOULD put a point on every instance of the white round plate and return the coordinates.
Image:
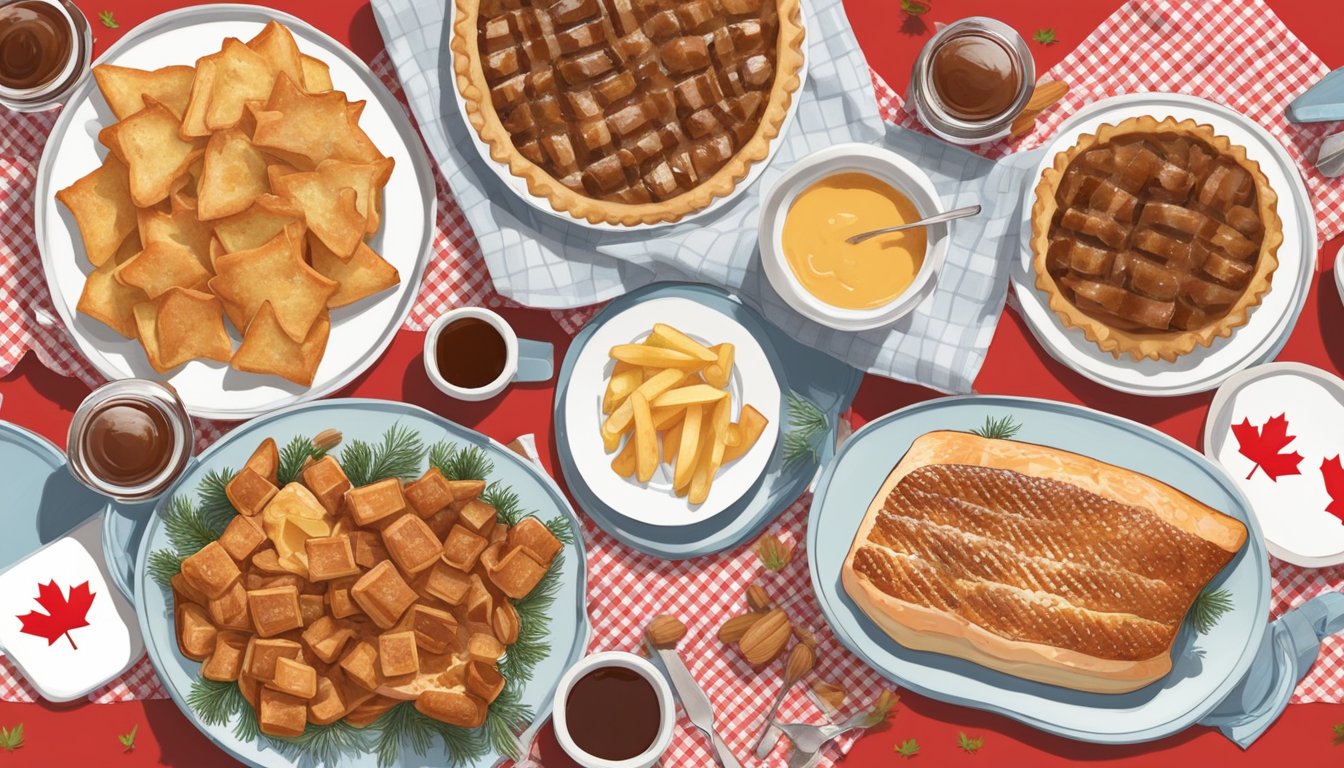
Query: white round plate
(753, 382)
(518, 185)
(359, 333)
(1291, 508)
(1270, 323)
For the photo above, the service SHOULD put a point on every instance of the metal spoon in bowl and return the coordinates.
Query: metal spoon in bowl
(957, 213)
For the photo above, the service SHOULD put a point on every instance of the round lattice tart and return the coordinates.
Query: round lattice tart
(629, 111)
(1154, 237)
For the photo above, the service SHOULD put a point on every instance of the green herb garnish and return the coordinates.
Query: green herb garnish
(1208, 608)
(128, 739)
(914, 8)
(1045, 36)
(806, 422)
(908, 748)
(1002, 428)
(108, 20)
(11, 738)
(968, 745)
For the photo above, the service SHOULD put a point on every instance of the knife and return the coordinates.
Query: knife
(694, 701)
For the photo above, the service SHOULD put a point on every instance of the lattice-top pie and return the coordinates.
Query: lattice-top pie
(628, 111)
(1154, 237)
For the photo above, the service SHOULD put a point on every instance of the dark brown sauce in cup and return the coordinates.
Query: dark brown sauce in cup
(613, 713)
(36, 43)
(470, 353)
(127, 442)
(976, 76)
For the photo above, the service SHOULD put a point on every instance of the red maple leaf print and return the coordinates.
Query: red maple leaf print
(1332, 472)
(63, 613)
(1264, 447)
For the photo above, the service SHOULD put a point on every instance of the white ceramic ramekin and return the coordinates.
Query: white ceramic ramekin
(646, 670)
(888, 166)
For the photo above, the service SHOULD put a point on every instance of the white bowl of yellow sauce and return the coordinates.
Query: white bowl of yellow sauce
(836, 193)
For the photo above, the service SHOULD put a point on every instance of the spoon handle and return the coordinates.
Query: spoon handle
(770, 735)
(939, 218)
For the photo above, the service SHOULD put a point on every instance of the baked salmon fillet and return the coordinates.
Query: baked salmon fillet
(1033, 561)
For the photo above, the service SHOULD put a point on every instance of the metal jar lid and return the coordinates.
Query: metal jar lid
(922, 95)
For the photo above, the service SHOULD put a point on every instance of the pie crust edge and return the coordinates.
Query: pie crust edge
(480, 113)
(1170, 345)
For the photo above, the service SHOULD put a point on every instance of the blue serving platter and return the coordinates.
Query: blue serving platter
(1206, 668)
(820, 379)
(365, 420)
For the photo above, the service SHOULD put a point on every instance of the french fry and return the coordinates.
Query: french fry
(688, 446)
(646, 440)
(750, 424)
(612, 440)
(720, 427)
(624, 379)
(667, 336)
(691, 395)
(672, 441)
(619, 420)
(624, 463)
(733, 436)
(664, 418)
(640, 354)
(703, 477)
(721, 370)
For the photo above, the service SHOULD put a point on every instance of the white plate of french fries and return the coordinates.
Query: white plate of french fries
(673, 412)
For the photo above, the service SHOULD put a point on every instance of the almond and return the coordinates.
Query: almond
(801, 661)
(766, 639)
(665, 631)
(1046, 95)
(734, 628)
(1023, 124)
(757, 599)
(506, 624)
(327, 439)
(833, 695)
(805, 637)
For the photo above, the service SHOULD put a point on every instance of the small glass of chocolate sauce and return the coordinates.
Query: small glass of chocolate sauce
(614, 710)
(45, 50)
(472, 353)
(130, 440)
(971, 79)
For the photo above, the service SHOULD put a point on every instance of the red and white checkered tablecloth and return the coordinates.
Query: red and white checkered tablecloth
(1243, 57)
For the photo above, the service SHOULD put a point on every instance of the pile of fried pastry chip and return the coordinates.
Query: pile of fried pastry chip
(327, 602)
(240, 188)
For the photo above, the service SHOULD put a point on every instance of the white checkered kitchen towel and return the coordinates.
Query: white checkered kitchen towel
(541, 260)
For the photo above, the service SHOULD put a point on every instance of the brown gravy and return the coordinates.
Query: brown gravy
(976, 76)
(470, 353)
(613, 713)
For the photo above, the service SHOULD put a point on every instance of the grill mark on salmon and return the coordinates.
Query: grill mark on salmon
(1037, 560)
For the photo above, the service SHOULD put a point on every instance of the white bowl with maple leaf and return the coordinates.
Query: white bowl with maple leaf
(1278, 430)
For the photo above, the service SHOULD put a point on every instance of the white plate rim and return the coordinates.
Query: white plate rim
(659, 508)
(43, 198)
(1213, 441)
(1034, 311)
(518, 185)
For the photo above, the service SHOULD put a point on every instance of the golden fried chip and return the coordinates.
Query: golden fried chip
(233, 176)
(316, 74)
(264, 219)
(363, 274)
(367, 179)
(180, 228)
(274, 272)
(240, 74)
(154, 154)
(306, 129)
(267, 349)
(103, 210)
(193, 118)
(182, 325)
(124, 88)
(277, 48)
(329, 211)
(107, 300)
(159, 267)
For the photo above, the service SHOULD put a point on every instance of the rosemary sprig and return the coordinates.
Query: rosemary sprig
(325, 744)
(216, 509)
(461, 462)
(403, 723)
(560, 529)
(505, 718)
(505, 500)
(806, 422)
(398, 455)
(1002, 428)
(294, 455)
(1208, 608)
(187, 528)
(215, 702)
(164, 564)
(534, 623)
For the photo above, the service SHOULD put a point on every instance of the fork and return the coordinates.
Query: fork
(807, 739)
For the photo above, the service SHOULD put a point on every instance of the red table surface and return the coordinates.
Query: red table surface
(35, 398)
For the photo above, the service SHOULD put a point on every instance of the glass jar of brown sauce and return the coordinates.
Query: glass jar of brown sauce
(130, 439)
(971, 79)
(45, 50)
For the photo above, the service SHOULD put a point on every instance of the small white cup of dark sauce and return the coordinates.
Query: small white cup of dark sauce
(614, 710)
